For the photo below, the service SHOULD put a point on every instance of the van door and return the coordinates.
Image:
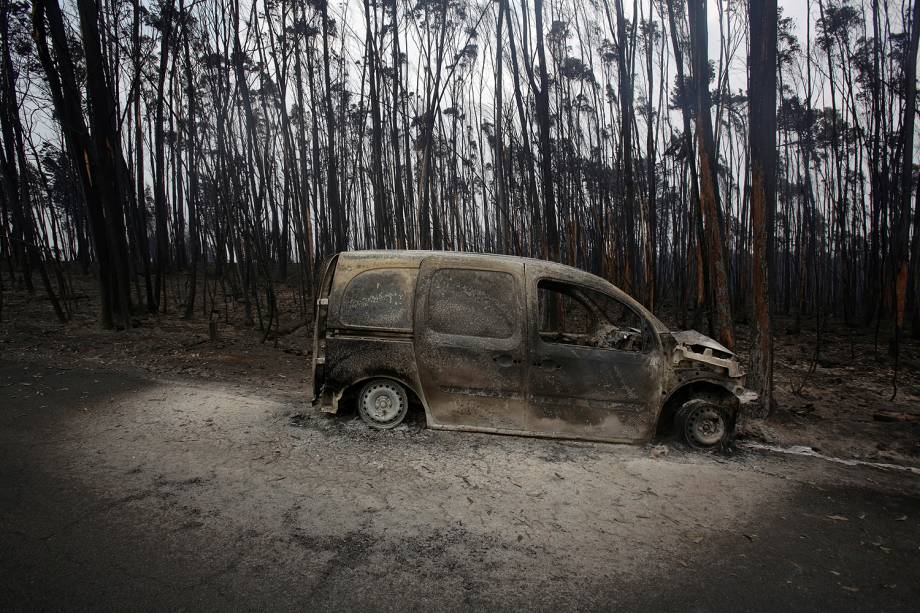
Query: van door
(594, 364)
(470, 342)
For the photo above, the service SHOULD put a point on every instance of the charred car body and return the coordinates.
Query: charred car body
(513, 345)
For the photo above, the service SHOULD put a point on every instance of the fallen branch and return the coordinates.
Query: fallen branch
(895, 416)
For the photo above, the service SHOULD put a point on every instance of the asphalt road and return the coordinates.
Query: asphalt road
(123, 492)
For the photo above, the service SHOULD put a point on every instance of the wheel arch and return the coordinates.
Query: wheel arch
(700, 388)
(355, 386)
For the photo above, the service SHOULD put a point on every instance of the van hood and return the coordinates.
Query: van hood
(692, 337)
(698, 348)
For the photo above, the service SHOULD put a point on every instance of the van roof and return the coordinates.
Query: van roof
(417, 255)
(415, 258)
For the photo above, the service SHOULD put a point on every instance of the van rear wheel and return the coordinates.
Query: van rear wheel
(383, 404)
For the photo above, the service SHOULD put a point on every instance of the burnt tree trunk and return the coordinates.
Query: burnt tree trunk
(900, 247)
(762, 110)
(551, 249)
(159, 165)
(97, 174)
(719, 299)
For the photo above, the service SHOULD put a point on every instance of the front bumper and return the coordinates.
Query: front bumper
(749, 403)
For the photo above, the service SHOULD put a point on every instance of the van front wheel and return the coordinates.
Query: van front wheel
(703, 424)
(383, 404)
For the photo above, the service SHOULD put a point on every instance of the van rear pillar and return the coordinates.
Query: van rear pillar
(328, 400)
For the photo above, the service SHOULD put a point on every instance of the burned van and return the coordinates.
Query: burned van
(513, 345)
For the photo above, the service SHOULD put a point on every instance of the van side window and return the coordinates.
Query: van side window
(380, 298)
(575, 315)
(478, 303)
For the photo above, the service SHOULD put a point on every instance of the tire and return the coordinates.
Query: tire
(704, 424)
(383, 404)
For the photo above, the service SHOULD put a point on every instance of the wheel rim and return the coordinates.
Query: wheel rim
(706, 426)
(382, 403)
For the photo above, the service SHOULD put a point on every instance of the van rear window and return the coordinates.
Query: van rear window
(478, 303)
(380, 298)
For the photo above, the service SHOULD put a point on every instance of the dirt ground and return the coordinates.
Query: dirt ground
(156, 469)
(124, 491)
(836, 410)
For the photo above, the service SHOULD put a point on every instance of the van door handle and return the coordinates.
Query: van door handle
(504, 359)
(547, 364)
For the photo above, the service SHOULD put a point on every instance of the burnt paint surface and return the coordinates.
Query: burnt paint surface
(582, 391)
(351, 358)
